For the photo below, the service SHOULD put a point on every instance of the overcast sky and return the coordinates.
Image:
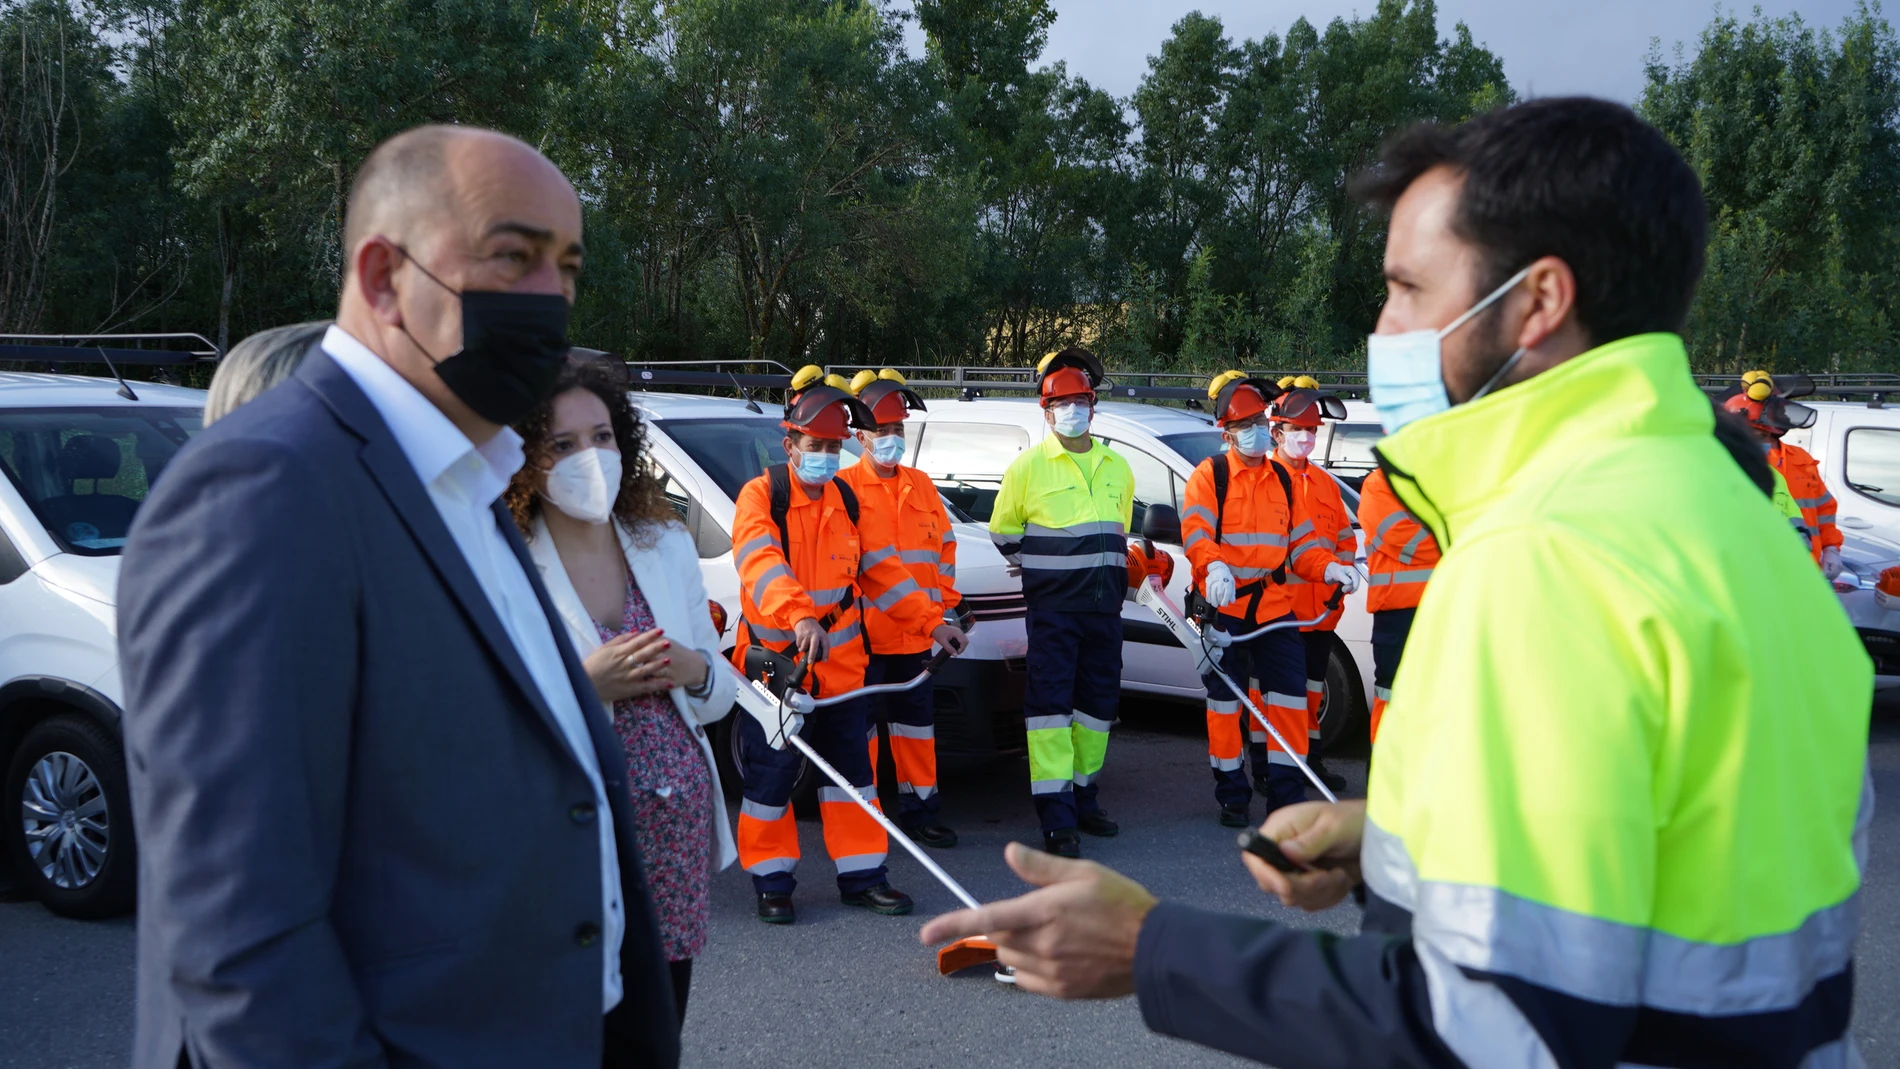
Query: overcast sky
(1550, 47)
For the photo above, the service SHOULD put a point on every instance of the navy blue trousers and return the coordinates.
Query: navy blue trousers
(1070, 698)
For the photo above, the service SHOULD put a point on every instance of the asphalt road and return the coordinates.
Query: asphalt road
(845, 987)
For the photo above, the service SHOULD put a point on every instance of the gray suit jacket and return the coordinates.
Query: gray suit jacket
(364, 841)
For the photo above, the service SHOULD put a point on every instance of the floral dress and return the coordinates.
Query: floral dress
(672, 802)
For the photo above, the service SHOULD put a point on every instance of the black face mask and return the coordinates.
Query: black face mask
(513, 348)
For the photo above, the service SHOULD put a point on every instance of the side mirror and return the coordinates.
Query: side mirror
(1160, 523)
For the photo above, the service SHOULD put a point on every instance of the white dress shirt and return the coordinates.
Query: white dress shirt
(464, 481)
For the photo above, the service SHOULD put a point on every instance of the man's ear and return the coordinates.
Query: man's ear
(1553, 301)
(374, 267)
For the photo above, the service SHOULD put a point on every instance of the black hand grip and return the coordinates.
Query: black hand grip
(1268, 851)
(797, 678)
(942, 658)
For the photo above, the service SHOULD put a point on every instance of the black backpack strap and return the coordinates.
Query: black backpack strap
(1219, 463)
(1286, 488)
(849, 497)
(778, 479)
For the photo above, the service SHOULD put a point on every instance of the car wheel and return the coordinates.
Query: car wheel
(1342, 714)
(732, 767)
(69, 817)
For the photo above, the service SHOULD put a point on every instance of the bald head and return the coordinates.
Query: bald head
(442, 210)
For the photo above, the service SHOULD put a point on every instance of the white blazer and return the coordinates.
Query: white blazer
(668, 577)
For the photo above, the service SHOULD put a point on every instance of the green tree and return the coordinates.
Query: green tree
(1793, 133)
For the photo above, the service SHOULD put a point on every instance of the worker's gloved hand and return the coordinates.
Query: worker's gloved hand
(1831, 561)
(812, 642)
(1220, 584)
(1344, 575)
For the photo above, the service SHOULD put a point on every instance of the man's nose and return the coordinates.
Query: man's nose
(545, 277)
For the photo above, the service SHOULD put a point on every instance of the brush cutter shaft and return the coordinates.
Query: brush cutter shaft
(1280, 625)
(891, 829)
(805, 703)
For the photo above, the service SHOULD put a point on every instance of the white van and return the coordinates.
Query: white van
(1858, 448)
(966, 446)
(706, 448)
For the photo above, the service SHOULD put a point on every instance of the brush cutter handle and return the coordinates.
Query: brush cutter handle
(1231, 639)
(804, 703)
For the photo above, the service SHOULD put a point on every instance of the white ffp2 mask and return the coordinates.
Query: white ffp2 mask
(586, 484)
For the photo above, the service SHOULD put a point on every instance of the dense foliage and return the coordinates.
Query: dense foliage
(782, 179)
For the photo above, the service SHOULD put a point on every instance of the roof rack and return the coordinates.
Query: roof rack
(182, 348)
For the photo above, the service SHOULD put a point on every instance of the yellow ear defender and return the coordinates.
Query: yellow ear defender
(892, 375)
(1220, 382)
(862, 379)
(838, 381)
(807, 376)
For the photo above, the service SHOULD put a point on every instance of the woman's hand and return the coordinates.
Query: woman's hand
(629, 666)
(682, 666)
(1323, 835)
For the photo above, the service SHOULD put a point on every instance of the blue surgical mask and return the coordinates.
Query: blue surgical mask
(888, 450)
(1253, 441)
(1405, 372)
(816, 469)
(1071, 420)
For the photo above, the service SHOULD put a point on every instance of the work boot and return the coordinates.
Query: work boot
(1062, 842)
(1096, 823)
(935, 836)
(1234, 816)
(1333, 780)
(775, 907)
(878, 899)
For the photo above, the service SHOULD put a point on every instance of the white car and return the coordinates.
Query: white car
(78, 459)
(709, 447)
(966, 446)
(1858, 448)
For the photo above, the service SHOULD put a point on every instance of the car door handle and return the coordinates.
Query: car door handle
(1855, 522)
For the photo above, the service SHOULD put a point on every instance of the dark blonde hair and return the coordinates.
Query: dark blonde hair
(641, 504)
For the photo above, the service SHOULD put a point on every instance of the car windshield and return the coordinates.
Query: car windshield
(1195, 446)
(84, 471)
(734, 451)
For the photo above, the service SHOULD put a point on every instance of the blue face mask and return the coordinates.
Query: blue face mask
(816, 469)
(1405, 373)
(1253, 441)
(1071, 420)
(888, 450)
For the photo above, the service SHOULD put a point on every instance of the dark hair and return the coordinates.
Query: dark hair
(1583, 180)
(641, 504)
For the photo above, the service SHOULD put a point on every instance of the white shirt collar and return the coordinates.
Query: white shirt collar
(436, 449)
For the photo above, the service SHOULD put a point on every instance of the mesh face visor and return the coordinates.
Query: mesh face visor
(1306, 407)
(890, 401)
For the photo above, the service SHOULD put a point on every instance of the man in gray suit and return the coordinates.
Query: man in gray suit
(383, 820)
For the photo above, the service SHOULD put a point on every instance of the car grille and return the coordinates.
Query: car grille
(1009, 606)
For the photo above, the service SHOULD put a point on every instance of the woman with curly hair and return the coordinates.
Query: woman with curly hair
(623, 575)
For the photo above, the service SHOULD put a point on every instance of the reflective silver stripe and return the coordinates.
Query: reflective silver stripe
(1047, 723)
(1049, 786)
(949, 536)
(739, 555)
(1288, 701)
(917, 556)
(1095, 724)
(1411, 547)
(1075, 530)
(1378, 535)
(875, 557)
(1477, 1020)
(1813, 502)
(1493, 931)
(947, 568)
(1256, 736)
(760, 811)
(1413, 575)
(934, 595)
(898, 592)
(772, 865)
(845, 633)
(828, 597)
(1250, 573)
(1083, 779)
(1384, 694)
(858, 862)
(1255, 539)
(1310, 547)
(1315, 686)
(839, 794)
(1076, 563)
(1224, 764)
(1230, 707)
(776, 571)
(1197, 536)
(1344, 535)
(921, 792)
(1825, 518)
(769, 634)
(1278, 756)
(913, 731)
(1004, 538)
(1198, 512)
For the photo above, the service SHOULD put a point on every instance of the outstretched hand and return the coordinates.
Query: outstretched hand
(1072, 938)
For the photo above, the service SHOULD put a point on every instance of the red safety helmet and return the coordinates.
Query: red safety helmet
(1237, 397)
(1303, 405)
(1774, 416)
(1072, 371)
(825, 411)
(886, 394)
